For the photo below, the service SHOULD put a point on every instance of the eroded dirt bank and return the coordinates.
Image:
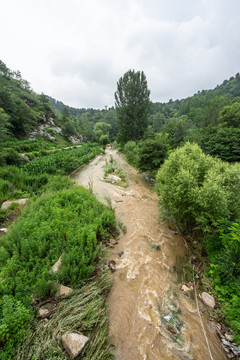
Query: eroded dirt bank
(150, 317)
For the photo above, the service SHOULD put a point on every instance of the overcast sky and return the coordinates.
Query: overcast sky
(76, 50)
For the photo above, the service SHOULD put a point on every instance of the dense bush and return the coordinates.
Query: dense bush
(152, 154)
(10, 157)
(131, 151)
(69, 222)
(196, 190)
(223, 250)
(222, 142)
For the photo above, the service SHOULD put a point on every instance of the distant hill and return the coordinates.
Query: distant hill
(59, 106)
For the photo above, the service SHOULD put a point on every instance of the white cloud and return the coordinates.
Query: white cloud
(76, 50)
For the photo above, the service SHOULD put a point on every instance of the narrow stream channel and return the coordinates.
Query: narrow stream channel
(151, 318)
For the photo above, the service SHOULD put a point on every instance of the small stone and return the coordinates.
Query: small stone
(121, 254)
(63, 290)
(44, 312)
(185, 288)
(208, 300)
(112, 265)
(73, 343)
(229, 337)
(25, 158)
(4, 230)
(56, 266)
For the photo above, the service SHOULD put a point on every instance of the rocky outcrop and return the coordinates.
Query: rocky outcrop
(73, 343)
(76, 138)
(5, 205)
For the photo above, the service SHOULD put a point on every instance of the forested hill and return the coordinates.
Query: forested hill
(197, 118)
(21, 109)
(224, 94)
(59, 106)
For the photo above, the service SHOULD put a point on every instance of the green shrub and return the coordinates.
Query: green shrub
(152, 154)
(69, 222)
(14, 319)
(13, 158)
(131, 151)
(223, 250)
(196, 190)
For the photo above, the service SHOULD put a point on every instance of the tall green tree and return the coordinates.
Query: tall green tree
(132, 105)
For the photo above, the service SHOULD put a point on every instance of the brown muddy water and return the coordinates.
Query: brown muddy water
(151, 318)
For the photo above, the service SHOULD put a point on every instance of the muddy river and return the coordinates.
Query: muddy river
(151, 318)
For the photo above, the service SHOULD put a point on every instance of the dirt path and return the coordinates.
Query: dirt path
(150, 317)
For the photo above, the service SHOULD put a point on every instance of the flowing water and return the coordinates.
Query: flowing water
(151, 318)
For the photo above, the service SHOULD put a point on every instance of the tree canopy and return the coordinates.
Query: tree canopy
(132, 105)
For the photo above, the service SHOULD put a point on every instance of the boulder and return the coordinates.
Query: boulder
(73, 343)
(208, 300)
(6, 204)
(63, 291)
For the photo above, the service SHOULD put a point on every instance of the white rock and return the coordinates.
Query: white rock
(73, 343)
(44, 312)
(112, 177)
(63, 290)
(56, 266)
(4, 230)
(208, 300)
(185, 288)
(6, 204)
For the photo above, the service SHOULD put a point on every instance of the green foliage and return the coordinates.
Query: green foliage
(4, 125)
(222, 142)
(63, 162)
(71, 223)
(196, 190)
(131, 151)
(230, 115)
(11, 157)
(132, 105)
(16, 183)
(101, 132)
(14, 318)
(152, 154)
(84, 312)
(224, 253)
